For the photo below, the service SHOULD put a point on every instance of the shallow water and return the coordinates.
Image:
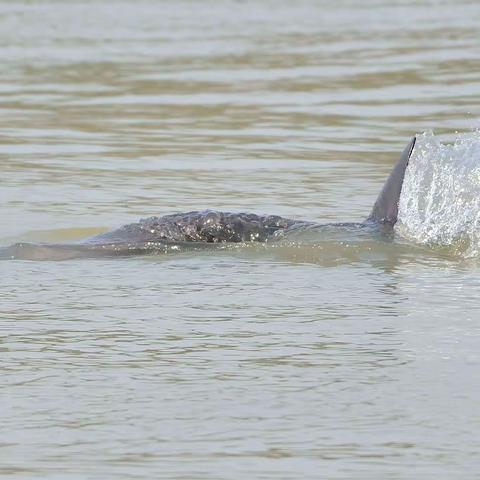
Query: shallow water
(353, 358)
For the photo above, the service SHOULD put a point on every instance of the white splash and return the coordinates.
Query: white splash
(440, 200)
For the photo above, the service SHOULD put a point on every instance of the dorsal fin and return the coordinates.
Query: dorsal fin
(385, 209)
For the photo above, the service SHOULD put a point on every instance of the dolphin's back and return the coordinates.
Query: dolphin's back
(161, 234)
(203, 226)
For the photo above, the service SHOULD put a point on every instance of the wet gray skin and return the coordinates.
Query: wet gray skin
(206, 229)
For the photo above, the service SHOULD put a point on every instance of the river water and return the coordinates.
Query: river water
(350, 359)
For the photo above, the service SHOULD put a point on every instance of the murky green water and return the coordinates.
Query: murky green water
(345, 361)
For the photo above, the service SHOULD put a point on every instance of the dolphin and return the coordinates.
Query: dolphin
(209, 228)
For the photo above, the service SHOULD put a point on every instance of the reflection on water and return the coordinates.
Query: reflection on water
(356, 361)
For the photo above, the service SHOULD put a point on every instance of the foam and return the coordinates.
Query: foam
(440, 199)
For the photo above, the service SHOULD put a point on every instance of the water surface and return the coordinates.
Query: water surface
(342, 360)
